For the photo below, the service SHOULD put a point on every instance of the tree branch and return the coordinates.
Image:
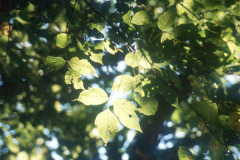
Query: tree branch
(118, 32)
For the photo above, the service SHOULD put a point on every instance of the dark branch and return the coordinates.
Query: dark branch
(118, 32)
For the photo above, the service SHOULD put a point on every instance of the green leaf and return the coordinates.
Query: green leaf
(123, 83)
(93, 96)
(62, 40)
(54, 63)
(127, 17)
(207, 109)
(141, 18)
(144, 59)
(148, 105)
(107, 125)
(131, 60)
(125, 111)
(165, 20)
(82, 66)
(184, 154)
(80, 46)
(109, 49)
(137, 79)
(166, 36)
(96, 57)
(70, 75)
(78, 83)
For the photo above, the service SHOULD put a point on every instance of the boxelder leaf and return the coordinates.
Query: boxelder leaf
(54, 63)
(93, 96)
(123, 83)
(184, 154)
(148, 105)
(96, 57)
(141, 18)
(125, 111)
(82, 66)
(166, 20)
(131, 60)
(62, 40)
(127, 17)
(107, 125)
(144, 59)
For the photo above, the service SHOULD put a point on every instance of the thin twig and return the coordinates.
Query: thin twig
(69, 18)
(118, 32)
(210, 130)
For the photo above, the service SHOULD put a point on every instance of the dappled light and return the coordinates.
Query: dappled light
(119, 80)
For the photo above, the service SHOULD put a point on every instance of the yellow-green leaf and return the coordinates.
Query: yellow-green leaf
(127, 17)
(131, 60)
(148, 105)
(141, 18)
(123, 83)
(93, 96)
(184, 154)
(107, 125)
(82, 66)
(78, 83)
(96, 57)
(165, 20)
(144, 59)
(125, 111)
(62, 40)
(54, 63)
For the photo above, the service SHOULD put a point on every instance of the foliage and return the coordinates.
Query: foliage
(59, 76)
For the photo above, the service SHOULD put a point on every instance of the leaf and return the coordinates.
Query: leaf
(107, 125)
(79, 44)
(184, 154)
(144, 59)
(207, 109)
(23, 155)
(82, 66)
(125, 111)
(93, 96)
(127, 17)
(148, 105)
(123, 83)
(131, 60)
(96, 57)
(54, 63)
(141, 18)
(137, 79)
(109, 49)
(165, 20)
(166, 36)
(78, 83)
(70, 75)
(62, 40)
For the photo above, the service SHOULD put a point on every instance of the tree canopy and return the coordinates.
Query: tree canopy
(119, 79)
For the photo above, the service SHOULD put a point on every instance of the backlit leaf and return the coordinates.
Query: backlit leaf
(54, 63)
(148, 105)
(131, 60)
(144, 59)
(82, 66)
(62, 40)
(96, 57)
(184, 154)
(141, 18)
(125, 111)
(165, 20)
(123, 83)
(93, 96)
(127, 17)
(107, 125)
(78, 83)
